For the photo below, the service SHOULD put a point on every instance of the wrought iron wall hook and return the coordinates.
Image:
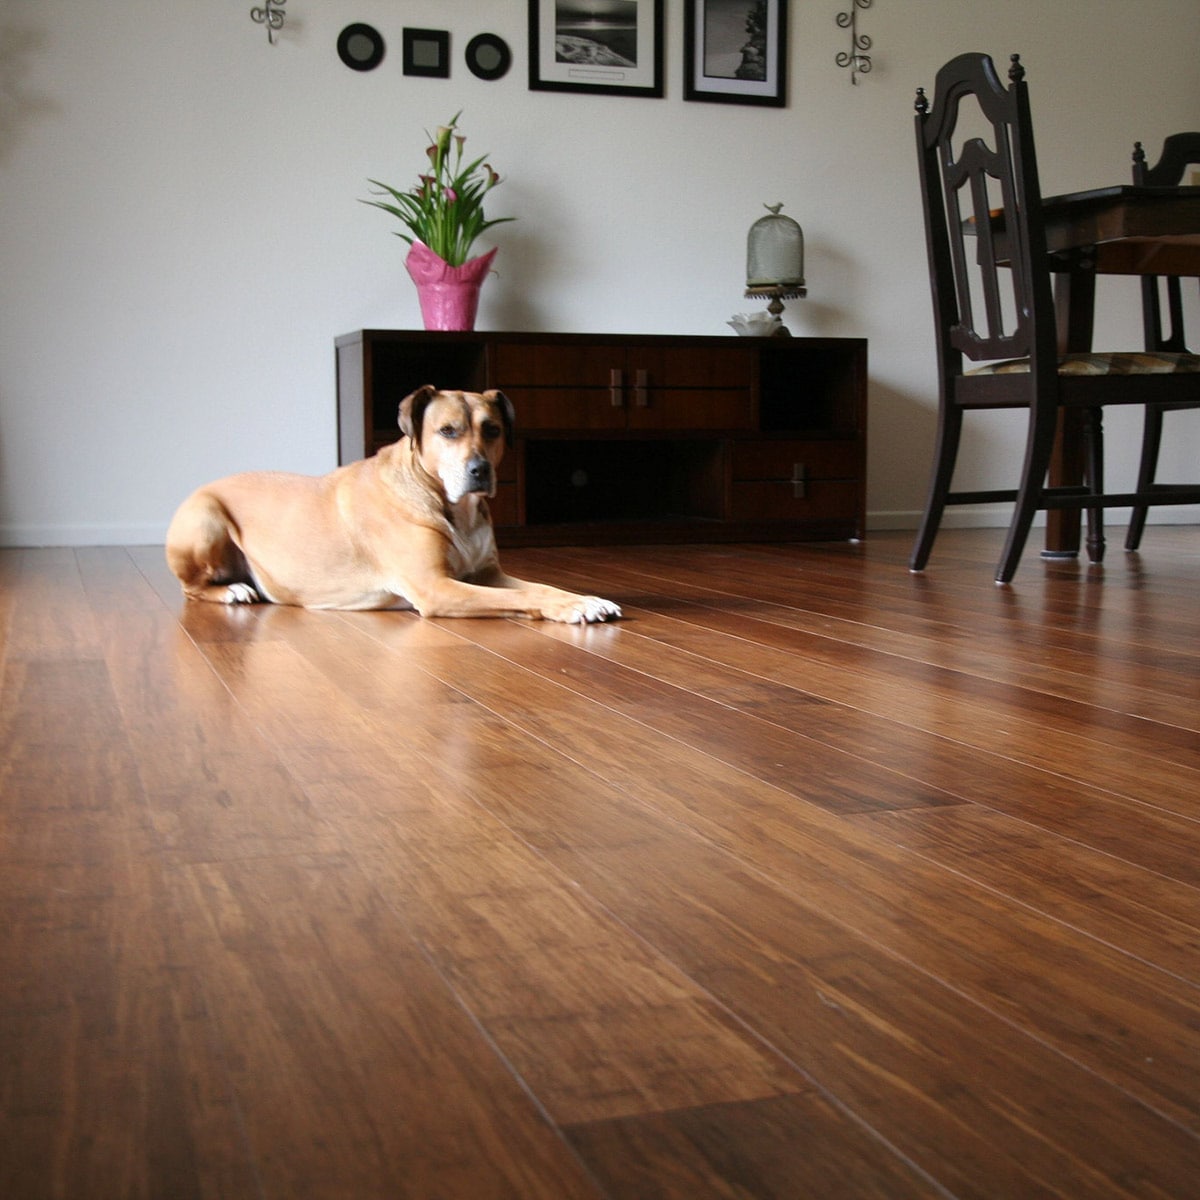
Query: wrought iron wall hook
(856, 58)
(271, 15)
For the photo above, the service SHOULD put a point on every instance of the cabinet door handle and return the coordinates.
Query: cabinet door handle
(799, 481)
(616, 387)
(641, 389)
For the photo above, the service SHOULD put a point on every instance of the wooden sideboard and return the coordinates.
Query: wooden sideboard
(640, 438)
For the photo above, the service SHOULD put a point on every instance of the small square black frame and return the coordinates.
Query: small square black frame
(427, 52)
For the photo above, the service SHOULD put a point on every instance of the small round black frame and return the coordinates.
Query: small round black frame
(350, 47)
(488, 56)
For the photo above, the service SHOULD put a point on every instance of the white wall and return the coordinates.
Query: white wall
(180, 240)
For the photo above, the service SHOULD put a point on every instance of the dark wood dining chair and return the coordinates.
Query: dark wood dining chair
(996, 335)
(1180, 151)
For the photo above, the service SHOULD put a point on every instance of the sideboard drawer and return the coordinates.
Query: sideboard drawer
(618, 384)
(785, 500)
(551, 364)
(796, 460)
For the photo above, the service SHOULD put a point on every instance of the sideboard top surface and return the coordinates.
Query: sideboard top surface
(615, 339)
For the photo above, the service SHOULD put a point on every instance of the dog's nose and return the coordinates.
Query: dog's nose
(479, 471)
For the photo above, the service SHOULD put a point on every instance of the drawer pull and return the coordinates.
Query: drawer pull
(641, 389)
(799, 481)
(616, 387)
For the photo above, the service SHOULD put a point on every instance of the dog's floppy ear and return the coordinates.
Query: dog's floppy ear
(412, 412)
(507, 413)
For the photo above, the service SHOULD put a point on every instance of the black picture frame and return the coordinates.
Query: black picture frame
(719, 64)
(427, 52)
(623, 57)
(488, 56)
(360, 47)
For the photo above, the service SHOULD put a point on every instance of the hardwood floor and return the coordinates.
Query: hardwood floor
(812, 878)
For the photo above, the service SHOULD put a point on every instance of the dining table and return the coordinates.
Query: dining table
(1126, 229)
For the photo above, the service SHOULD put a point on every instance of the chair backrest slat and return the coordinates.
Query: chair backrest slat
(1179, 151)
(976, 154)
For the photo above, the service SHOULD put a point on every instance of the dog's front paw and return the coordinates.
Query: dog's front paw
(240, 593)
(591, 610)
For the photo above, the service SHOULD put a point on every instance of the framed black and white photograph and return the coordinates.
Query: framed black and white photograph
(612, 46)
(735, 51)
(427, 52)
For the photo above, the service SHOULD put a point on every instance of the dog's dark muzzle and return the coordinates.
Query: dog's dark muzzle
(480, 477)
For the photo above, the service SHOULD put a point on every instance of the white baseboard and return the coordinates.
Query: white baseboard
(988, 517)
(82, 535)
(982, 517)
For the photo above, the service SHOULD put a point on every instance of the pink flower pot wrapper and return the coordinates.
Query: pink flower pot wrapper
(449, 295)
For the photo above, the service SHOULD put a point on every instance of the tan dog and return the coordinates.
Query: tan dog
(409, 528)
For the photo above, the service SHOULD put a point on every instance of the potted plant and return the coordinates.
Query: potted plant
(443, 214)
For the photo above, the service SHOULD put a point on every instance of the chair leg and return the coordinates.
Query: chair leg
(1043, 421)
(1095, 480)
(945, 454)
(1151, 440)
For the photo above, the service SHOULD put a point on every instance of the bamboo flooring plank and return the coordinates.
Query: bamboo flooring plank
(356, 1070)
(214, 788)
(107, 1084)
(1167, 566)
(151, 562)
(1131, 687)
(840, 781)
(1064, 595)
(1159, 840)
(112, 581)
(51, 618)
(334, 731)
(775, 1149)
(596, 1023)
(975, 1102)
(886, 610)
(1000, 719)
(1158, 831)
(1139, 911)
(360, 904)
(466, 1148)
(10, 571)
(895, 609)
(442, 843)
(1000, 954)
(604, 1030)
(960, 1091)
(1145, 845)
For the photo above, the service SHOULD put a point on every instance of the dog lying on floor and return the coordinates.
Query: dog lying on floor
(408, 528)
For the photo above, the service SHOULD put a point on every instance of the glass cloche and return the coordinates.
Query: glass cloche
(775, 251)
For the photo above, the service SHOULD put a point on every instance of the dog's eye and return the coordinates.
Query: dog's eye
(450, 432)
(491, 431)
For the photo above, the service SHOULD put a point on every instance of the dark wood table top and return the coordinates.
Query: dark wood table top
(1134, 230)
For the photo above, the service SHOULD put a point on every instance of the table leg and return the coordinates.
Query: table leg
(1075, 305)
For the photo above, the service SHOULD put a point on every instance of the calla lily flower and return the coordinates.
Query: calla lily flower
(445, 210)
